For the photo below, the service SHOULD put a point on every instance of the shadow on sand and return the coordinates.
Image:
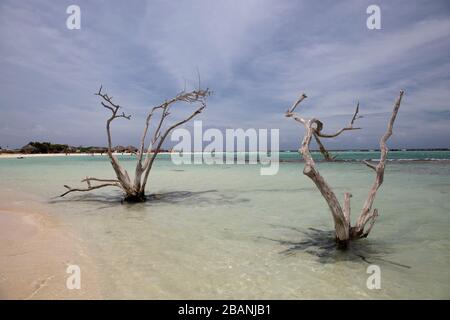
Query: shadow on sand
(115, 198)
(321, 244)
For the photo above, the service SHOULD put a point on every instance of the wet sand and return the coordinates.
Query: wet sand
(35, 251)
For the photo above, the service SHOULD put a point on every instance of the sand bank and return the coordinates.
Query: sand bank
(35, 251)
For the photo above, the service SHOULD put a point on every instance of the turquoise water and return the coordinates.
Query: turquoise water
(369, 155)
(225, 231)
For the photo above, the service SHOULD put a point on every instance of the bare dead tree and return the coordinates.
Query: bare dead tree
(135, 189)
(341, 215)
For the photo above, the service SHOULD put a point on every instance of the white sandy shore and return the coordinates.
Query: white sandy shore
(35, 251)
(37, 155)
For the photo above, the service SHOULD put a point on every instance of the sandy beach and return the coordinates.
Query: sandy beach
(38, 155)
(35, 251)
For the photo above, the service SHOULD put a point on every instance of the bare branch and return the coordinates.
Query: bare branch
(144, 133)
(296, 103)
(107, 98)
(107, 107)
(379, 169)
(355, 116)
(121, 173)
(164, 115)
(290, 112)
(346, 209)
(371, 166)
(89, 188)
(149, 160)
(347, 128)
(196, 96)
(373, 217)
(188, 97)
(89, 179)
(322, 149)
(296, 117)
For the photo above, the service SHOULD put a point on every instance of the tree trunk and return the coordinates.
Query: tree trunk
(140, 197)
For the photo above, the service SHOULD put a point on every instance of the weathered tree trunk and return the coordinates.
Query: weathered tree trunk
(341, 216)
(135, 189)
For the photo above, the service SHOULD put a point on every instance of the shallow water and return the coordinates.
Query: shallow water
(225, 231)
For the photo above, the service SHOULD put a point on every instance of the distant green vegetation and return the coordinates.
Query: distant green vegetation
(44, 147)
(48, 147)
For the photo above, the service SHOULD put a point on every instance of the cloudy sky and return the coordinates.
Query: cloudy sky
(256, 55)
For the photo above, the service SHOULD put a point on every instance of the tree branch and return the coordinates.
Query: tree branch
(322, 149)
(91, 187)
(348, 127)
(373, 218)
(121, 173)
(195, 96)
(89, 179)
(296, 103)
(379, 171)
(346, 209)
(371, 166)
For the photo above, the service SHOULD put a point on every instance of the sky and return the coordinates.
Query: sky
(256, 55)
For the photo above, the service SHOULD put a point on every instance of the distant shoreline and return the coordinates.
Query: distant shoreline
(37, 155)
(281, 160)
(62, 154)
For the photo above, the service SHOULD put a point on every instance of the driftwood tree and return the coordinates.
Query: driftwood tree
(345, 231)
(135, 189)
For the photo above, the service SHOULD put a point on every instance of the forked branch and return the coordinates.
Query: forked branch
(366, 214)
(348, 127)
(159, 135)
